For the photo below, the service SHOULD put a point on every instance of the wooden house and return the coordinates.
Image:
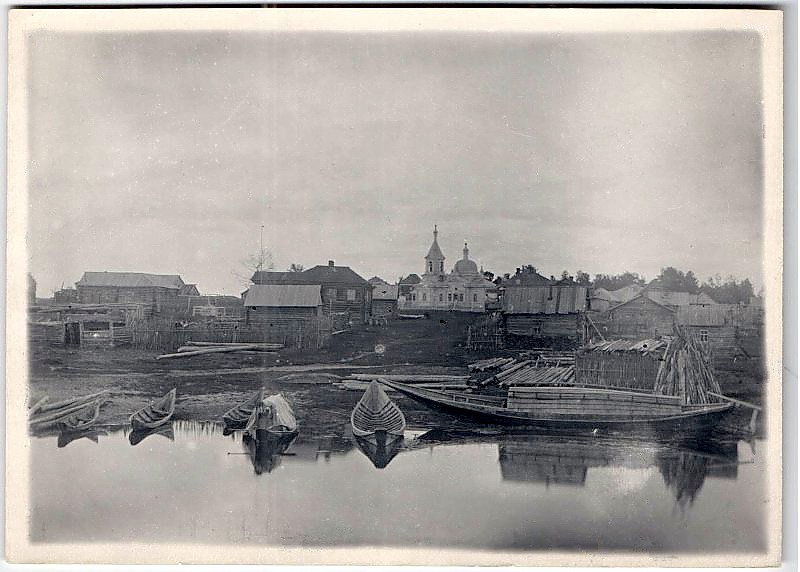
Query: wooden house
(345, 295)
(640, 318)
(547, 314)
(160, 291)
(715, 327)
(384, 300)
(291, 314)
(407, 284)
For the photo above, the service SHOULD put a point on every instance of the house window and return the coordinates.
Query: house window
(550, 293)
(461, 297)
(536, 329)
(351, 295)
(703, 335)
(441, 297)
(331, 292)
(449, 297)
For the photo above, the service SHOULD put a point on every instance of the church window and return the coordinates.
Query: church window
(414, 297)
(441, 267)
(474, 297)
(461, 297)
(424, 297)
(449, 297)
(441, 297)
(430, 266)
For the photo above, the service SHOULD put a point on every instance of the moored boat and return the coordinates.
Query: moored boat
(244, 416)
(580, 409)
(276, 416)
(376, 414)
(43, 414)
(158, 413)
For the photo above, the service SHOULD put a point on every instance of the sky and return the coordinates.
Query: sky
(604, 152)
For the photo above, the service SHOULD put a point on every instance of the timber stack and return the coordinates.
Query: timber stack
(685, 370)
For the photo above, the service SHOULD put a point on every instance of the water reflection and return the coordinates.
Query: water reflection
(265, 448)
(380, 449)
(67, 437)
(167, 431)
(516, 491)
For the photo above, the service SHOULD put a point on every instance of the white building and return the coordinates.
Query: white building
(464, 289)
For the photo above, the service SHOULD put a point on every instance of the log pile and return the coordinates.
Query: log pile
(490, 364)
(685, 370)
(192, 349)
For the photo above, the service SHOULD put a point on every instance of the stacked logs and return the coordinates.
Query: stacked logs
(685, 370)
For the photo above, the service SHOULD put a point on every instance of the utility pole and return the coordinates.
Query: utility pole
(261, 251)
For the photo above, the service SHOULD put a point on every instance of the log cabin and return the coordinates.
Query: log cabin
(159, 291)
(291, 314)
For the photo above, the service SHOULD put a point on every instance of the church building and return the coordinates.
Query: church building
(464, 289)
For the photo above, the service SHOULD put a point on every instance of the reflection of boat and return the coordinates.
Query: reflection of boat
(381, 448)
(265, 448)
(137, 436)
(577, 409)
(276, 416)
(244, 415)
(158, 413)
(375, 414)
(67, 437)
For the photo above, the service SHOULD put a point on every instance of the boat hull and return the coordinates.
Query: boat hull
(686, 424)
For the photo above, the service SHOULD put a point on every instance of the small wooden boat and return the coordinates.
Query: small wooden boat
(411, 316)
(136, 437)
(375, 414)
(577, 409)
(158, 413)
(244, 415)
(43, 415)
(44, 406)
(276, 416)
(82, 419)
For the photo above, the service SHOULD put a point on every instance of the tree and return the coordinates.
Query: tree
(488, 275)
(259, 261)
(729, 291)
(677, 281)
(293, 267)
(583, 278)
(613, 282)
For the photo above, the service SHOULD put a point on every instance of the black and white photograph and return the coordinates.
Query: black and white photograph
(394, 286)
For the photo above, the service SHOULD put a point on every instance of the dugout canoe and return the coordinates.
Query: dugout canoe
(376, 414)
(158, 413)
(243, 417)
(576, 409)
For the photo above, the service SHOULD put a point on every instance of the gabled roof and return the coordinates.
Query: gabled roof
(385, 292)
(189, 290)
(317, 275)
(537, 300)
(131, 280)
(375, 280)
(641, 296)
(601, 294)
(625, 293)
(716, 315)
(527, 279)
(283, 296)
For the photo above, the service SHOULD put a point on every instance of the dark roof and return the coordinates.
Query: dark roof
(131, 280)
(317, 275)
(537, 300)
(411, 279)
(189, 290)
(527, 279)
(283, 295)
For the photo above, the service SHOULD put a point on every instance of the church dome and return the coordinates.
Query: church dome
(465, 265)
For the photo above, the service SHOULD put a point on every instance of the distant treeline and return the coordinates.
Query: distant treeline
(728, 291)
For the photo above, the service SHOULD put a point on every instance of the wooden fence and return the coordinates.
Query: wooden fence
(486, 334)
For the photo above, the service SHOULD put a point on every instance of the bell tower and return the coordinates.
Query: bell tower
(434, 260)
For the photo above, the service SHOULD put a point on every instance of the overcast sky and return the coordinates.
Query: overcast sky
(166, 153)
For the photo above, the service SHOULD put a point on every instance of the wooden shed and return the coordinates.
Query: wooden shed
(624, 364)
(384, 300)
(640, 317)
(287, 313)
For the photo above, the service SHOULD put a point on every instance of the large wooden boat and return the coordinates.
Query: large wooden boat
(581, 409)
(376, 413)
(158, 413)
(244, 416)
